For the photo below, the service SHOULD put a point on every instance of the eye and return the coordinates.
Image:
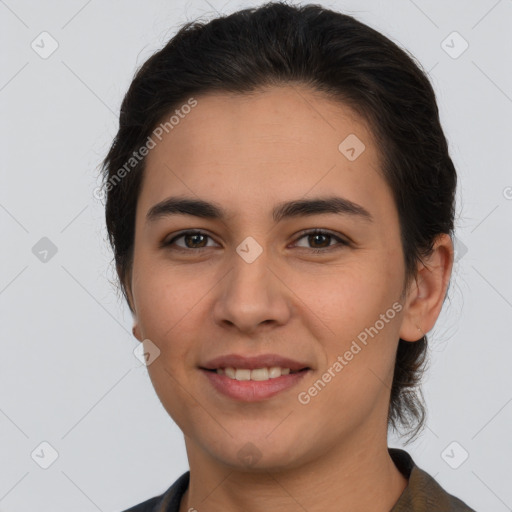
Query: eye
(321, 239)
(195, 240)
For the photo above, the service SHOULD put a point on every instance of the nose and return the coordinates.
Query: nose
(252, 295)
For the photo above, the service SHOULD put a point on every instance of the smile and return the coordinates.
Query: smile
(253, 385)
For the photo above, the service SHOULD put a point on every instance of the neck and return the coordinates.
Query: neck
(357, 477)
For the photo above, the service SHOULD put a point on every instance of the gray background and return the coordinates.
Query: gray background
(68, 376)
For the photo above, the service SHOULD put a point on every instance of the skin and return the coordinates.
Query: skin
(249, 153)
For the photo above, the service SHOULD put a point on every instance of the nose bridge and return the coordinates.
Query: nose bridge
(251, 293)
(250, 269)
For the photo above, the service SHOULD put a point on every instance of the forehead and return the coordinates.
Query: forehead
(281, 142)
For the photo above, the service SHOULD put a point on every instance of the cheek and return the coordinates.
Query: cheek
(167, 304)
(359, 348)
(346, 299)
(355, 313)
(164, 297)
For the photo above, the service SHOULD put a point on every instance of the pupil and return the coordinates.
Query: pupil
(194, 236)
(319, 235)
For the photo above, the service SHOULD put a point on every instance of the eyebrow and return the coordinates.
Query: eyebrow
(291, 209)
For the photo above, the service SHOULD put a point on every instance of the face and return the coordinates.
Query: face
(258, 280)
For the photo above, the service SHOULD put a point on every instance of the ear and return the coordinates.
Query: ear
(427, 291)
(136, 328)
(131, 304)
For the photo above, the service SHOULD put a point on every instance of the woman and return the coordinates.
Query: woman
(280, 201)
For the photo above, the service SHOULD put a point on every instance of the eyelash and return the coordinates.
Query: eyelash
(341, 241)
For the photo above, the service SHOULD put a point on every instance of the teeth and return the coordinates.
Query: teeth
(230, 372)
(243, 374)
(256, 374)
(259, 374)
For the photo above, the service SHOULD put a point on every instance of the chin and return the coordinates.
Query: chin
(257, 454)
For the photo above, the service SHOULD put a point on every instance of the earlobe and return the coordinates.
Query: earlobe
(425, 299)
(135, 329)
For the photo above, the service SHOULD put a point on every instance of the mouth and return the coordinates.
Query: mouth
(256, 385)
(253, 378)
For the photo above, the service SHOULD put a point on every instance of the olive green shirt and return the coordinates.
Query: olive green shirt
(422, 494)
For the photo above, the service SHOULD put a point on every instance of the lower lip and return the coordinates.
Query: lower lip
(253, 390)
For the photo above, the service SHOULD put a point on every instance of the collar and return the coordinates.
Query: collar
(422, 494)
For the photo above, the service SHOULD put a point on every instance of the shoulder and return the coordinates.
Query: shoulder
(428, 492)
(169, 501)
(147, 506)
(423, 493)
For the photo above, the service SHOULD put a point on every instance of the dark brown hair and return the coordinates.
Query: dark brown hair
(332, 53)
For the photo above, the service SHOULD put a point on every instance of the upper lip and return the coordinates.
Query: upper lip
(253, 362)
